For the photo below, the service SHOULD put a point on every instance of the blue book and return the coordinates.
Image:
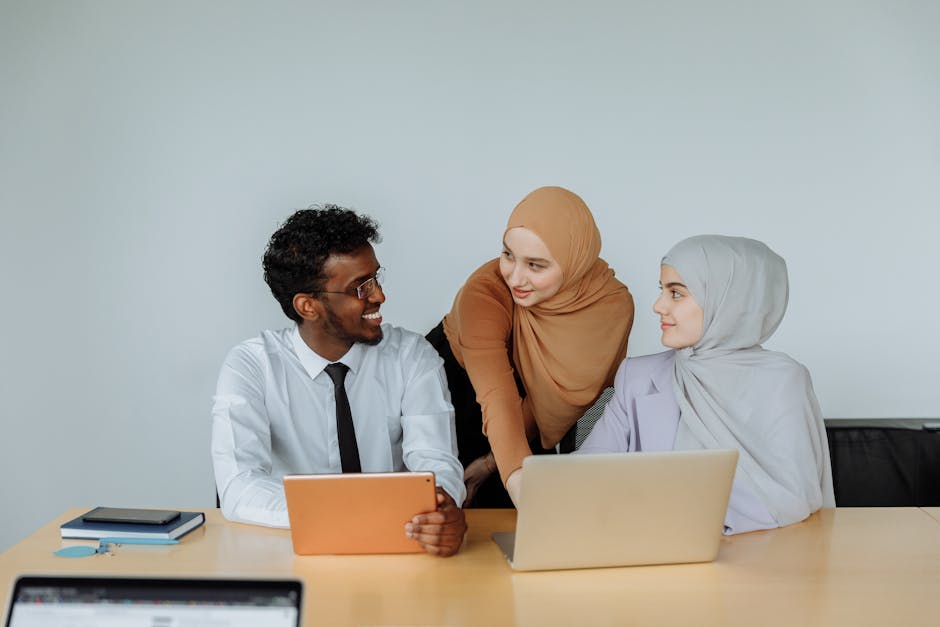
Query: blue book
(79, 528)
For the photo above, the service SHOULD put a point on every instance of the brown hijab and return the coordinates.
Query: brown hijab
(568, 347)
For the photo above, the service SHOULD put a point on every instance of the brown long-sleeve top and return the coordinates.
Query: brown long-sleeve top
(479, 329)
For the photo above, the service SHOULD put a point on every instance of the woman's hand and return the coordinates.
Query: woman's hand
(514, 486)
(476, 473)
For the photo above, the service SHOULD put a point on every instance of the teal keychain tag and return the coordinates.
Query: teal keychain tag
(79, 551)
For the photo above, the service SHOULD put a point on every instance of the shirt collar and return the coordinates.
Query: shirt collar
(314, 363)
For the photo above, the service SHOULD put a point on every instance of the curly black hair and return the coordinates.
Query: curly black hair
(293, 261)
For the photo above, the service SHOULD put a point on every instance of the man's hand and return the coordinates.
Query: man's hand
(439, 532)
(476, 473)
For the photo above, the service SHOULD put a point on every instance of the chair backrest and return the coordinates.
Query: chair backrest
(885, 462)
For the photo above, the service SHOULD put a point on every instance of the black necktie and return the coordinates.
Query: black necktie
(345, 431)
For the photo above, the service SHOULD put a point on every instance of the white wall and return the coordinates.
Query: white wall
(148, 150)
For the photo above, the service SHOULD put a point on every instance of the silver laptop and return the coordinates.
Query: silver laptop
(120, 601)
(620, 509)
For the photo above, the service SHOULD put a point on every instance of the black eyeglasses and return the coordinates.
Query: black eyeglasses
(363, 289)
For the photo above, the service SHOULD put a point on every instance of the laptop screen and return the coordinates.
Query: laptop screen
(107, 602)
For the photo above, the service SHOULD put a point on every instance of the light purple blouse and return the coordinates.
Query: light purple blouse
(643, 415)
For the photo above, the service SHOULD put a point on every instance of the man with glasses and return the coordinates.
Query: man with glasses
(277, 408)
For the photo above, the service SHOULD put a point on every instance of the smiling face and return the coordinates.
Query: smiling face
(528, 268)
(335, 318)
(681, 319)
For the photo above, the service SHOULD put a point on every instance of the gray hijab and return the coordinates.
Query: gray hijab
(734, 394)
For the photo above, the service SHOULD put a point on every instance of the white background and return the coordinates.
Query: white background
(149, 149)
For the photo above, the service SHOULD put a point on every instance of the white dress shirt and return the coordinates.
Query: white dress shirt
(274, 414)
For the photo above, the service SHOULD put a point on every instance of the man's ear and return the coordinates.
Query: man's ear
(308, 307)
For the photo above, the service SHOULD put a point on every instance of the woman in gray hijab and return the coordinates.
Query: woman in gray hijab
(722, 297)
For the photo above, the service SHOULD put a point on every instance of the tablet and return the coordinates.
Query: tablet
(356, 512)
(128, 515)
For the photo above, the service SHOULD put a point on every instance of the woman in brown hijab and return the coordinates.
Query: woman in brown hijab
(532, 340)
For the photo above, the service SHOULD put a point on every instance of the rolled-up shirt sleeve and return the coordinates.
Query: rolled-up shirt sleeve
(241, 444)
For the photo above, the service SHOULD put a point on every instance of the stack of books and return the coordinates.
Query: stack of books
(132, 523)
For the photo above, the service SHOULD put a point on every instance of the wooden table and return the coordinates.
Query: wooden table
(933, 511)
(853, 566)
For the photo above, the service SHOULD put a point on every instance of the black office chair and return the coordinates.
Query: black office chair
(885, 462)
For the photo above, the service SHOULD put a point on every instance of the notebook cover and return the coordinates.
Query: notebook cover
(78, 528)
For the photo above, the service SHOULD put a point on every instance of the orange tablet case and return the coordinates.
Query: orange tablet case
(356, 512)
